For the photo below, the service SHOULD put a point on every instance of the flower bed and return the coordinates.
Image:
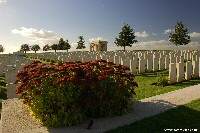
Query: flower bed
(71, 92)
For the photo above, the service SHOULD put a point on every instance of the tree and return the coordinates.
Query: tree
(180, 37)
(67, 45)
(25, 47)
(1, 48)
(126, 37)
(54, 47)
(35, 47)
(81, 42)
(46, 47)
(61, 44)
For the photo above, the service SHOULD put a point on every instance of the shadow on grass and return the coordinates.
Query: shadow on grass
(182, 117)
(2, 83)
(153, 74)
(184, 83)
(187, 83)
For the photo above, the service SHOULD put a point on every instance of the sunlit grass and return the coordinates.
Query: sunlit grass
(146, 87)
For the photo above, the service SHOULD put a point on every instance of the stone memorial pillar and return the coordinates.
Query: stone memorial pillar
(155, 63)
(141, 65)
(133, 66)
(167, 62)
(161, 64)
(180, 72)
(195, 70)
(172, 73)
(149, 64)
(188, 72)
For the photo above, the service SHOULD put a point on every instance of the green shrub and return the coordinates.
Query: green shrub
(52, 61)
(27, 57)
(68, 93)
(48, 60)
(162, 80)
(60, 62)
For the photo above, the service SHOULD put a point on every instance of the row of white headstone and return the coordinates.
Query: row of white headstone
(138, 61)
(181, 71)
(10, 65)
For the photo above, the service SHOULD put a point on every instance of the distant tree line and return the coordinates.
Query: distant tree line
(126, 38)
(62, 45)
(1, 48)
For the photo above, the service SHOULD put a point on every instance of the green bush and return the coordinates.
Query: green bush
(48, 60)
(52, 61)
(60, 62)
(27, 57)
(162, 80)
(68, 93)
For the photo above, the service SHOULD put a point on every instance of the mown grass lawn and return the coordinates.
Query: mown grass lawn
(146, 88)
(183, 117)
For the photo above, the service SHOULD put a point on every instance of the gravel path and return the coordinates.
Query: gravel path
(142, 109)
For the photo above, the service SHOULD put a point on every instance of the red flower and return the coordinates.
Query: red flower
(55, 74)
(111, 63)
(35, 75)
(102, 72)
(70, 78)
(44, 76)
(101, 61)
(36, 62)
(37, 82)
(122, 82)
(125, 68)
(89, 74)
(110, 71)
(100, 78)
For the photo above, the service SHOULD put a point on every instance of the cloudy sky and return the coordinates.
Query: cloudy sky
(45, 21)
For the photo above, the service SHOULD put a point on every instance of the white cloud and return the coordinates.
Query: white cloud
(195, 35)
(74, 45)
(168, 31)
(143, 34)
(153, 44)
(42, 36)
(10, 49)
(3, 1)
(154, 34)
